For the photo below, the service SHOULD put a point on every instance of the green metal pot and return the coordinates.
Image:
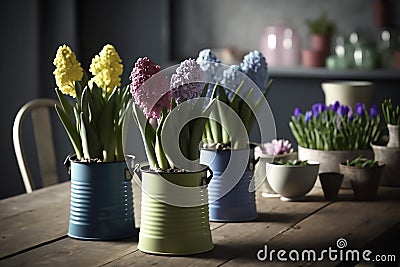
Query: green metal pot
(174, 213)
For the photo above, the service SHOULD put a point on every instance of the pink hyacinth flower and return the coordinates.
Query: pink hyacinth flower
(149, 94)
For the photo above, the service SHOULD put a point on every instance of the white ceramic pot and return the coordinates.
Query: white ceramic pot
(292, 182)
(394, 136)
(391, 157)
(330, 159)
(348, 92)
(260, 172)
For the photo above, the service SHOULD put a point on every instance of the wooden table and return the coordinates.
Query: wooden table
(34, 232)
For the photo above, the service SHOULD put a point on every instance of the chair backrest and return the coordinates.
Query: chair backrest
(39, 109)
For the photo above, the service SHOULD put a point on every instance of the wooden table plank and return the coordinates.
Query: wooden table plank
(282, 225)
(49, 196)
(356, 221)
(71, 252)
(234, 240)
(32, 219)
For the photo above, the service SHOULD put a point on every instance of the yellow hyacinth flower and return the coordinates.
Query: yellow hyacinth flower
(106, 69)
(68, 70)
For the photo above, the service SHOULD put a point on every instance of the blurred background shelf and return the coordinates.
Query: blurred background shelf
(324, 73)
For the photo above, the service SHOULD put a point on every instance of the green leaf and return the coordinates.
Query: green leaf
(78, 90)
(161, 157)
(65, 104)
(90, 141)
(197, 127)
(215, 127)
(96, 101)
(207, 132)
(71, 131)
(222, 95)
(236, 100)
(245, 112)
(148, 135)
(106, 129)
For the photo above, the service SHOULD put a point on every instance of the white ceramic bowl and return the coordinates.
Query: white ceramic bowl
(292, 182)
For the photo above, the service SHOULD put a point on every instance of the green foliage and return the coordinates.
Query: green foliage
(361, 162)
(321, 25)
(330, 131)
(391, 112)
(94, 125)
(189, 137)
(215, 133)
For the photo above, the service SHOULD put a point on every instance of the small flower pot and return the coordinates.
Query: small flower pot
(321, 43)
(394, 135)
(313, 58)
(260, 172)
(330, 182)
(391, 157)
(397, 59)
(364, 180)
(292, 182)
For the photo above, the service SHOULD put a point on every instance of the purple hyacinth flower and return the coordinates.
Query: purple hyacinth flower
(187, 83)
(373, 111)
(350, 114)
(297, 113)
(308, 116)
(318, 109)
(334, 107)
(360, 109)
(342, 110)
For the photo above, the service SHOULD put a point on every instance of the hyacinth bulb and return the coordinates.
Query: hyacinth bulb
(152, 96)
(187, 82)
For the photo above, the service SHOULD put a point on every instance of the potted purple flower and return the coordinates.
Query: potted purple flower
(267, 152)
(171, 115)
(332, 134)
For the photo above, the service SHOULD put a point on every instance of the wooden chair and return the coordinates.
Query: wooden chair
(39, 109)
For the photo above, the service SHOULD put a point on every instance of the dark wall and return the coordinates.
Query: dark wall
(31, 32)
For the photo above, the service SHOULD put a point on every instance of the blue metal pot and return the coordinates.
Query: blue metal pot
(231, 190)
(101, 201)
